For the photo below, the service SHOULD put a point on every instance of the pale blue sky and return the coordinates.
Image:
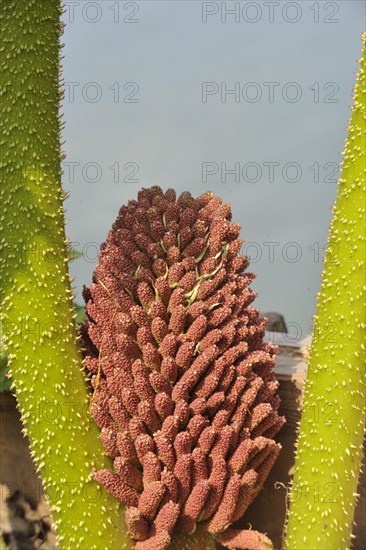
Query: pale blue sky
(136, 101)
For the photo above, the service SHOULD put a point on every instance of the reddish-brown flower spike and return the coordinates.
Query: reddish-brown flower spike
(245, 540)
(184, 390)
(137, 524)
(166, 518)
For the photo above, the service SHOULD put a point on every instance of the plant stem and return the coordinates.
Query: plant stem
(332, 426)
(38, 317)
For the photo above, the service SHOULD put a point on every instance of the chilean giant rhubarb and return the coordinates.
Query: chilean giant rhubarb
(183, 385)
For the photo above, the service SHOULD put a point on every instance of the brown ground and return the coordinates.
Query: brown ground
(25, 521)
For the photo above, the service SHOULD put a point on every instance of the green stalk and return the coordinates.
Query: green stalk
(329, 450)
(38, 317)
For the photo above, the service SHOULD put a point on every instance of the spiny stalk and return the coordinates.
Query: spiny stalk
(38, 317)
(332, 426)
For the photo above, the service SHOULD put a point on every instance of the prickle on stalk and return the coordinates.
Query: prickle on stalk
(184, 389)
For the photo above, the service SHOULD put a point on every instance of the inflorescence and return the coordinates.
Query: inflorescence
(184, 389)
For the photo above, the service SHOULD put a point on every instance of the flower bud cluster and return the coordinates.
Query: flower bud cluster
(184, 389)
